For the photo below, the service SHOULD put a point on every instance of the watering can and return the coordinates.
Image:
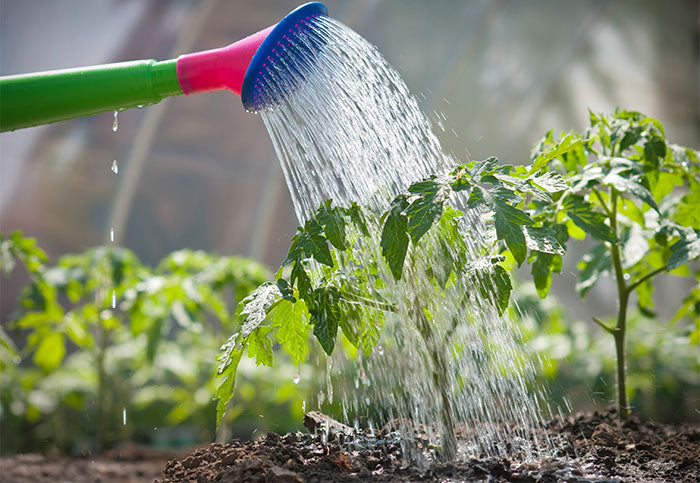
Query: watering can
(45, 97)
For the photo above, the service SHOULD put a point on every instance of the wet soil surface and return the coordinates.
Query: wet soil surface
(130, 464)
(592, 447)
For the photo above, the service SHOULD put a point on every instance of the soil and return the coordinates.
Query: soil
(592, 447)
(128, 464)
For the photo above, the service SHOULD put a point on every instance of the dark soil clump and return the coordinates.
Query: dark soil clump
(593, 447)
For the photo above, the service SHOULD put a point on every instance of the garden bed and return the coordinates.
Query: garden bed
(594, 447)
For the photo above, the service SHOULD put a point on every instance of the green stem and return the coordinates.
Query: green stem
(646, 277)
(621, 327)
(605, 326)
(441, 381)
(603, 204)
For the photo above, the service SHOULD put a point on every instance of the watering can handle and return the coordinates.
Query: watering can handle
(41, 98)
(45, 97)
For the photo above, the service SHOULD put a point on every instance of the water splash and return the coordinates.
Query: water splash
(345, 127)
(115, 124)
(297, 376)
(115, 167)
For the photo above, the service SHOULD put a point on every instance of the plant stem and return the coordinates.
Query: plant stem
(645, 278)
(621, 327)
(440, 379)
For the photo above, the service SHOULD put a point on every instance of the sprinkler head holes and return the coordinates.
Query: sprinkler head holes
(275, 67)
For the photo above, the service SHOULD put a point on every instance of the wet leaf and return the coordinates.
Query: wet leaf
(543, 240)
(584, 215)
(333, 223)
(394, 240)
(684, 250)
(225, 391)
(423, 211)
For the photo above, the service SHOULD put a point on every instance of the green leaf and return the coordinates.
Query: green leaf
(285, 290)
(542, 268)
(631, 185)
(688, 212)
(550, 181)
(333, 223)
(542, 240)
(654, 151)
(459, 179)
(512, 235)
(301, 280)
(315, 244)
(509, 221)
(293, 332)
(630, 210)
(358, 218)
(645, 299)
(503, 285)
(684, 250)
(252, 311)
(51, 351)
(568, 143)
(394, 240)
(225, 391)
(582, 213)
(325, 317)
(593, 265)
(495, 285)
(630, 138)
(423, 211)
(484, 168)
(260, 346)
(476, 197)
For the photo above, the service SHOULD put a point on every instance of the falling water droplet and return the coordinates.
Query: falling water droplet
(115, 124)
(297, 376)
(303, 406)
(124, 416)
(111, 235)
(115, 167)
(114, 299)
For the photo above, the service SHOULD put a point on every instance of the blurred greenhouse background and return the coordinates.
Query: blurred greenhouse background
(200, 173)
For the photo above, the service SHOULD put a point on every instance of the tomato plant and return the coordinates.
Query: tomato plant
(620, 183)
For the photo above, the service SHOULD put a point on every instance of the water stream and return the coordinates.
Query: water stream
(346, 128)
